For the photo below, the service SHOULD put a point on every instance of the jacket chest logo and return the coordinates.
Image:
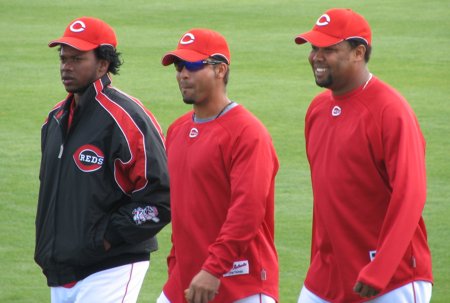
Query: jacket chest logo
(88, 158)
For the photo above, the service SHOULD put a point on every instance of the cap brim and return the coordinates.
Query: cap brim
(183, 54)
(73, 42)
(317, 39)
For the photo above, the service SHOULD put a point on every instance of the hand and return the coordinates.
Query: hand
(365, 290)
(203, 288)
(107, 245)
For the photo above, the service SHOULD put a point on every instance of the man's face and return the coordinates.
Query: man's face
(79, 69)
(197, 86)
(333, 66)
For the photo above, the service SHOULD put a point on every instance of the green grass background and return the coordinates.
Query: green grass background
(270, 75)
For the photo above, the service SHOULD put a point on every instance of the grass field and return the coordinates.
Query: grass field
(270, 76)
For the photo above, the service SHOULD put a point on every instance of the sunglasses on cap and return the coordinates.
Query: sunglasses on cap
(194, 66)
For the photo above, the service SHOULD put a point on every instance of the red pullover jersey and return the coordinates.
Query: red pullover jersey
(222, 176)
(367, 159)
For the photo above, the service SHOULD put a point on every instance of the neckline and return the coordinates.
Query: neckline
(203, 120)
(223, 109)
(368, 80)
(355, 91)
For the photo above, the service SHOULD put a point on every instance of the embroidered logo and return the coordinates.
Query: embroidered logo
(372, 254)
(193, 133)
(142, 215)
(88, 158)
(336, 111)
(323, 20)
(77, 26)
(239, 268)
(188, 38)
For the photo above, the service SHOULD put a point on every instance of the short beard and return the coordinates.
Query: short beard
(327, 83)
(189, 101)
(80, 90)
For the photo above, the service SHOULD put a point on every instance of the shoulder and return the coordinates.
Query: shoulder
(122, 99)
(240, 122)
(383, 94)
(180, 121)
(319, 101)
(239, 118)
(383, 98)
(55, 109)
(123, 106)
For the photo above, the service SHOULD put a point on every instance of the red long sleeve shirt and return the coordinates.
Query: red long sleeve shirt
(367, 159)
(222, 176)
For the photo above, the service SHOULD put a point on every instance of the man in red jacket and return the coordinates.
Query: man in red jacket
(367, 158)
(222, 167)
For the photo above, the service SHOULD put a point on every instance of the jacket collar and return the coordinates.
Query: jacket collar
(94, 89)
(87, 98)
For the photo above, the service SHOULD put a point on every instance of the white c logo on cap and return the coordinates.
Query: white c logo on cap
(188, 38)
(323, 20)
(77, 26)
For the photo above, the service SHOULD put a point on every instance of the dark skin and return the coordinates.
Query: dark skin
(341, 69)
(78, 70)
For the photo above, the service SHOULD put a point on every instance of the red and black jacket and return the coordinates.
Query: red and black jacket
(105, 177)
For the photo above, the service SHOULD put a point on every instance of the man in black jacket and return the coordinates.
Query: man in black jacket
(104, 190)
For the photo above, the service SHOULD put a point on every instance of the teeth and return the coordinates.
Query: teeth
(321, 70)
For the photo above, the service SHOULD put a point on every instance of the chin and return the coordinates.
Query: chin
(325, 83)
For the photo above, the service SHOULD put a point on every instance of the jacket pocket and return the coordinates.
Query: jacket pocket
(94, 250)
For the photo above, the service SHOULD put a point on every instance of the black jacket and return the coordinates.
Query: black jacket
(104, 178)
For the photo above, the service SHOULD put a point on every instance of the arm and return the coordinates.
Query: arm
(404, 150)
(143, 177)
(252, 173)
(171, 259)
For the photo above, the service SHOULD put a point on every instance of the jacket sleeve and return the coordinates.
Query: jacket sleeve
(140, 170)
(404, 149)
(253, 170)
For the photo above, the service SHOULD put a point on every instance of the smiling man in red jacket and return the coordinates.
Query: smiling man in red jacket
(367, 158)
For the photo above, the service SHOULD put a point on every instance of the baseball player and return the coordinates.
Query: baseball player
(104, 190)
(367, 158)
(222, 167)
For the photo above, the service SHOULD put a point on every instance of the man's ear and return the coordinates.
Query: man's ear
(360, 52)
(103, 67)
(221, 70)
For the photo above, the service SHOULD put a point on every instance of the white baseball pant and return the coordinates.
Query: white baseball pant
(258, 298)
(414, 292)
(115, 285)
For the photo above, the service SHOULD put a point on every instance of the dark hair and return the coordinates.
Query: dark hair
(355, 42)
(108, 53)
(224, 60)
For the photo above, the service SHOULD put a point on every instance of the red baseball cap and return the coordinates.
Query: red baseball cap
(199, 44)
(337, 25)
(86, 34)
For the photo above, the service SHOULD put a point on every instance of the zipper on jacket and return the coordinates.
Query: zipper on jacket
(61, 149)
(59, 169)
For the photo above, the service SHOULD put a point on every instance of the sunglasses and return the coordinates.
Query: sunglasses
(194, 66)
